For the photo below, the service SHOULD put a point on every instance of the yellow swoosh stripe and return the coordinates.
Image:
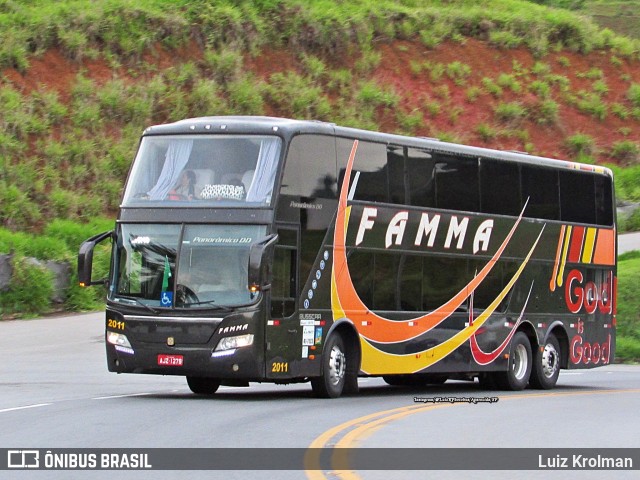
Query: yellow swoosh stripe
(375, 361)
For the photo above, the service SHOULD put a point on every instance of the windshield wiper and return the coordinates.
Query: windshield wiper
(207, 302)
(139, 302)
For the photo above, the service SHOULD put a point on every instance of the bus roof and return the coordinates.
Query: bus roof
(262, 125)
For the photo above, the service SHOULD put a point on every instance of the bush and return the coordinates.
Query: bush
(629, 223)
(245, 97)
(73, 233)
(509, 81)
(592, 104)
(626, 151)
(486, 132)
(580, 143)
(633, 94)
(505, 39)
(628, 309)
(458, 72)
(540, 88)
(627, 182)
(17, 210)
(30, 290)
(510, 112)
(491, 87)
(546, 112)
(627, 349)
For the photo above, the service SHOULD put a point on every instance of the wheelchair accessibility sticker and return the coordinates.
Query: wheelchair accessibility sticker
(166, 299)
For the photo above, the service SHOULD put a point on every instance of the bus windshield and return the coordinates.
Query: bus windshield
(191, 266)
(208, 170)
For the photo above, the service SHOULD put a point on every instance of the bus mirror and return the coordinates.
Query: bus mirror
(260, 255)
(85, 259)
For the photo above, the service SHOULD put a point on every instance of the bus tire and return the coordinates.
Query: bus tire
(334, 369)
(202, 385)
(546, 364)
(516, 377)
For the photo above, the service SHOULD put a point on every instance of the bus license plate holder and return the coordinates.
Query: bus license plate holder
(170, 360)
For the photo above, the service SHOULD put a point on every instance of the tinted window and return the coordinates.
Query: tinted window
(577, 197)
(397, 175)
(310, 168)
(604, 200)
(540, 188)
(493, 284)
(500, 187)
(370, 172)
(410, 277)
(386, 274)
(421, 178)
(457, 183)
(309, 194)
(390, 174)
(361, 271)
(443, 278)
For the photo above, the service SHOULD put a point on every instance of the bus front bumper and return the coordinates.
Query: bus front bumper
(243, 363)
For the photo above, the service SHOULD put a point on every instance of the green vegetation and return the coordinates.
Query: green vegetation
(626, 151)
(31, 288)
(65, 150)
(628, 341)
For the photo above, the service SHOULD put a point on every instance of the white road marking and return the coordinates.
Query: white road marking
(25, 407)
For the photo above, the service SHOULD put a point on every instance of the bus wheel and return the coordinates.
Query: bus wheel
(546, 364)
(334, 369)
(517, 375)
(203, 386)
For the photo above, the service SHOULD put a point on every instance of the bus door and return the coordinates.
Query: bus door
(283, 332)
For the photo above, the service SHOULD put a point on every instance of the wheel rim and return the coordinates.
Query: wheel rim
(520, 362)
(337, 365)
(549, 360)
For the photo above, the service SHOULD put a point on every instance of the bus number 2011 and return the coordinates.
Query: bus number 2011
(116, 324)
(279, 367)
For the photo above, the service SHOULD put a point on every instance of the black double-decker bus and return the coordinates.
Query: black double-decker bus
(255, 249)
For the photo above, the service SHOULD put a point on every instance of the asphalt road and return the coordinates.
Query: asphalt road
(56, 393)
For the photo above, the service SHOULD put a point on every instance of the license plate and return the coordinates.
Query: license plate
(170, 360)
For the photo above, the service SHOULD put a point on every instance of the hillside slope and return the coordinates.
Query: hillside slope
(79, 85)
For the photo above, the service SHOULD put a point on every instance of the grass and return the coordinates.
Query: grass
(628, 344)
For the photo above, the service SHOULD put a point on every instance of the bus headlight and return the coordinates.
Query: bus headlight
(118, 339)
(229, 343)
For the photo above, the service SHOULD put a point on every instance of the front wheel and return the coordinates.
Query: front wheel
(517, 375)
(203, 386)
(334, 369)
(546, 364)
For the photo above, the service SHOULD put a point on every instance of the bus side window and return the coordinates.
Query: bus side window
(604, 201)
(500, 187)
(540, 189)
(577, 197)
(457, 183)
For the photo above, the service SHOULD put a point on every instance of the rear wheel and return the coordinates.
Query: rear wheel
(334, 369)
(517, 375)
(203, 386)
(546, 364)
